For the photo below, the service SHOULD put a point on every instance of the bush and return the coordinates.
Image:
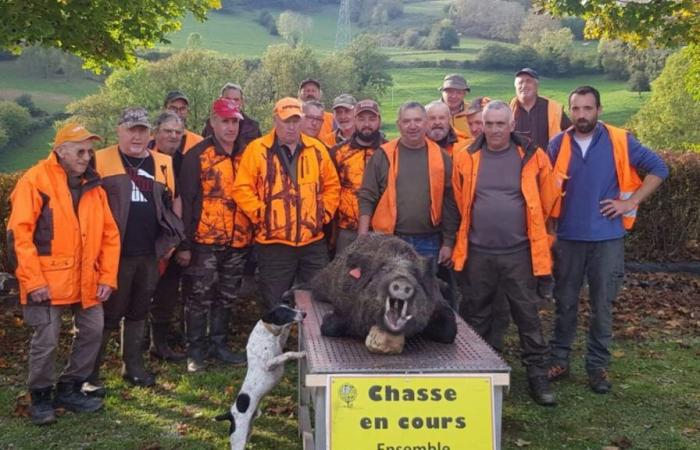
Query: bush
(7, 183)
(668, 224)
(443, 36)
(267, 21)
(14, 119)
(498, 56)
(26, 101)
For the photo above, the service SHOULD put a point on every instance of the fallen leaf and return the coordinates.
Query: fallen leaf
(618, 354)
(622, 442)
(522, 443)
(168, 386)
(688, 431)
(229, 390)
(22, 403)
(182, 428)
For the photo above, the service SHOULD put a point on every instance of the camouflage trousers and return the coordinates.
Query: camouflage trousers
(213, 277)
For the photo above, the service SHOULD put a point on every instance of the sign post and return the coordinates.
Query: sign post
(400, 412)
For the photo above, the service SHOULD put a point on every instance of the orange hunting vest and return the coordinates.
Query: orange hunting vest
(384, 218)
(627, 177)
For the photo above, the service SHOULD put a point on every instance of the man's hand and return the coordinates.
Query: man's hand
(40, 295)
(615, 208)
(169, 253)
(183, 257)
(445, 256)
(103, 292)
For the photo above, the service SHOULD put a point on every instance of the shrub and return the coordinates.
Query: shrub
(14, 119)
(7, 183)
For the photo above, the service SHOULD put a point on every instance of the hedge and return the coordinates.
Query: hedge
(667, 228)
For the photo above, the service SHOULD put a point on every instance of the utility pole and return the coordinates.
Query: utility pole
(342, 32)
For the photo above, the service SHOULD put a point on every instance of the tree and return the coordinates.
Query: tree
(293, 26)
(442, 36)
(194, 40)
(533, 26)
(15, 120)
(668, 120)
(497, 19)
(638, 82)
(101, 32)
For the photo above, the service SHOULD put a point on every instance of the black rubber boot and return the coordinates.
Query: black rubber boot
(159, 344)
(93, 385)
(41, 410)
(70, 397)
(541, 390)
(196, 332)
(218, 338)
(133, 369)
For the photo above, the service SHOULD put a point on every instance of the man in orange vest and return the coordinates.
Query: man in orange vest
(453, 90)
(288, 187)
(65, 245)
(537, 118)
(406, 189)
(505, 192)
(595, 165)
(310, 89)
(312, 122)
(440, 131)
(178, 103)
(218, 239)
(343, 106)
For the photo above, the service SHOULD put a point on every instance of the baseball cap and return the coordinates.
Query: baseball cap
(366, 105)
(528, 71)
(477, 105)
(288, 107)
(226, 109)
(455, 81)
(176, 95)
(344, 100)
(309, 80)
(73, 132)
(134, 117)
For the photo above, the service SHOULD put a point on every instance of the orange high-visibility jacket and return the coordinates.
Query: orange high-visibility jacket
(55, 247)
(191, 139)
(283, 210)
(459, 122)
(210, 215)
(627, 177)
(384, 217)
(328, 124)
(539, 191)
(350, 162)
(554, 115)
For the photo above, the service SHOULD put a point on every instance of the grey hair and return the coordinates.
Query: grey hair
(167, 116)
(231, 86)
(498, 105)
(410, 105)
(312, 103)
(437, 103)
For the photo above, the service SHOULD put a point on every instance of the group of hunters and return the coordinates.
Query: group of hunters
(477, 185)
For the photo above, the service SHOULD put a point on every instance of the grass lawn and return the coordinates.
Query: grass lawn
(653, 406)
(28, 151)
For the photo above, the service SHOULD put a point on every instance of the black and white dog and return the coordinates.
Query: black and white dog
(265, 369)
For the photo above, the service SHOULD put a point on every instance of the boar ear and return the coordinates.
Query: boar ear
(357, 261)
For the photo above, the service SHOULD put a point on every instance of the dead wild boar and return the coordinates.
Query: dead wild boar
(381, 281)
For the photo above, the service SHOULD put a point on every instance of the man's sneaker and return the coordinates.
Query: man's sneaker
(41, 411)
(70, 397)
(599, 382)
(557, 372)
(541, 390)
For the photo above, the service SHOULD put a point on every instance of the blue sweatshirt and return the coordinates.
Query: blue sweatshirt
(593, 179)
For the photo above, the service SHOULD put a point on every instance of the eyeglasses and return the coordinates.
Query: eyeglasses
(181, 109)
(313, 118)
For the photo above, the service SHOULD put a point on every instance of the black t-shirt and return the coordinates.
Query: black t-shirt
(142, 223)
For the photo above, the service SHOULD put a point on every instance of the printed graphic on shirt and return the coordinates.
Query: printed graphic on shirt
(141, 183)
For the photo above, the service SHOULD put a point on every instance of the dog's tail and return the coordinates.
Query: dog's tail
(228, 416)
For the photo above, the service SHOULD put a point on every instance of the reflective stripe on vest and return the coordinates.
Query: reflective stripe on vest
(627, 177)
(384, 217)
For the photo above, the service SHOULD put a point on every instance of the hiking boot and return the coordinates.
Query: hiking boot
(598, 381)
(196, 332)
(541, 390)
(133, 369)
(70, 397)
(557, 372)
(159, 344)
(41, 410)
(218, 338)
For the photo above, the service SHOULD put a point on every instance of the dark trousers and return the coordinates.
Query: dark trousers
(45, 321)
(166, 299)
(213, 277)
(137, 280)
(603, 264)
(280, 265)
(487, 276)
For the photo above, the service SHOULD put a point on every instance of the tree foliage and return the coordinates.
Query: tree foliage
(669, 119)
(101, 32)
(293, 27)
(443, 36)
(15, 121)
(497, 19)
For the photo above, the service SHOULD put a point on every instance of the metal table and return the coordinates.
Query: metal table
(469, 355)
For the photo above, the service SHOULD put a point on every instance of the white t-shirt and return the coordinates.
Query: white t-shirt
(583, 143)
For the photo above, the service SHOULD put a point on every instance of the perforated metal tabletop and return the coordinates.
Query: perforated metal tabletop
(468, 354)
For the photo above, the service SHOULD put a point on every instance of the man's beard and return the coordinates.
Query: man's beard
(584, 126)
(368, 137)
(435, 137)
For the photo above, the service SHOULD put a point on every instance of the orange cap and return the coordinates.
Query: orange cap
(288, 107)
(73, 132)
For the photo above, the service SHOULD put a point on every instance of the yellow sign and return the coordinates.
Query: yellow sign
(410, 413)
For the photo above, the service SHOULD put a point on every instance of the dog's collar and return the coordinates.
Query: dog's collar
(273, 330)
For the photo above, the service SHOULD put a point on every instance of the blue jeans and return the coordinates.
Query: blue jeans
(427, 245)
(603, 263)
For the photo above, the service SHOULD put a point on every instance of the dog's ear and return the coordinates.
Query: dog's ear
(228, 416)
(280, 315)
